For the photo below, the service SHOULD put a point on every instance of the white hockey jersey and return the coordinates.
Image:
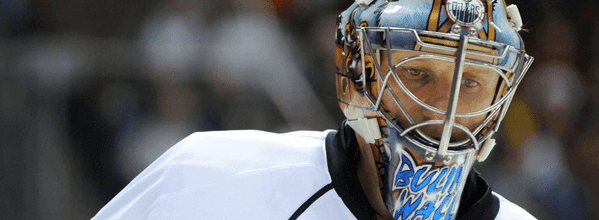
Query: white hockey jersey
(250, 175)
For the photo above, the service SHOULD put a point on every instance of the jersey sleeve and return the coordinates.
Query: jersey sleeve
(511, 211)
(226, 175)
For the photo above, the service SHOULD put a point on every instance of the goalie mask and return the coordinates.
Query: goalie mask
(427, 83)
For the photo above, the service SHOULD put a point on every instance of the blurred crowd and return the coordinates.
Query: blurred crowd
(91, 92)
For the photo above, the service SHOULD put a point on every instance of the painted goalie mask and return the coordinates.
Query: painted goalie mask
(427, 83)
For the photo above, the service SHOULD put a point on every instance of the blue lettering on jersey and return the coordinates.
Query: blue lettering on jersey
(425, 191)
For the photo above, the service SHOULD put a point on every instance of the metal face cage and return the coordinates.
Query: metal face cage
(509, 63)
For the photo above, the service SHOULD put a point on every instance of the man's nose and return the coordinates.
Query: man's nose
(437, 97)
(438, 102)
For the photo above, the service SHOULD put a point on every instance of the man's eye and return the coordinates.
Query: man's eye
(414, 77)
(415, 72)
(469, 83)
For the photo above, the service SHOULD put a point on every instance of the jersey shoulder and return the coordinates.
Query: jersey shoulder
(510, 211)
(226, 175)
(232, 152)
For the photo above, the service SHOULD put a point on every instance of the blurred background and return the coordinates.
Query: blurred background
(91, 92)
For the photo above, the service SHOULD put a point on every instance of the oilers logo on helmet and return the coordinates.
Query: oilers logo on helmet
(465, 12)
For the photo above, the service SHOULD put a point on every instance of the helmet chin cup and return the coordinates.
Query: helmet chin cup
(420, 181)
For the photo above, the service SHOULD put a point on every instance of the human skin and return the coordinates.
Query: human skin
(430, 81)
